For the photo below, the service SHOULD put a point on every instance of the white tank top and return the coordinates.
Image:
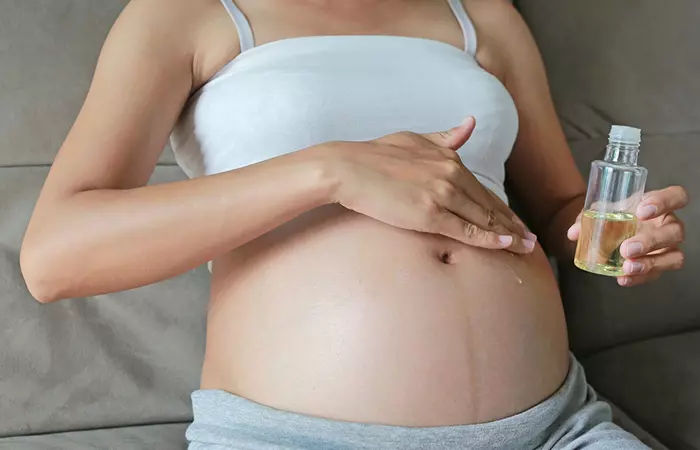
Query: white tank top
(294, 93)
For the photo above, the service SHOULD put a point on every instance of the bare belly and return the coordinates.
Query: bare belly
(340, 316)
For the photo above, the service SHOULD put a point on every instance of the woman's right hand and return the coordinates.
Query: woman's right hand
(418, 182)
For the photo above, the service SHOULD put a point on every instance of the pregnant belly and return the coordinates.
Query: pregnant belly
(340, 316)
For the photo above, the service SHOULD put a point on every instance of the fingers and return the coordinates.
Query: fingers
(454, 138)
(472, 189)
(649, 268)
(509, 217)
(454, 170)
(513, 224)
(452, 226)
(665, 201)
(493, 205)
(670, 234)
(477, 207)
(631, 281)
(655, 262)
(476, 219)
(574, 232)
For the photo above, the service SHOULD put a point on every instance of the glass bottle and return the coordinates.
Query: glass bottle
(615, 188)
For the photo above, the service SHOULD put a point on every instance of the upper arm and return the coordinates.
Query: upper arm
(143, 78)
(541, 168)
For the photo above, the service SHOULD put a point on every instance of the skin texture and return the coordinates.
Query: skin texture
(485, 322)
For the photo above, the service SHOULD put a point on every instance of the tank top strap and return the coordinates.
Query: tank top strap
(245, 32)
(467, 26)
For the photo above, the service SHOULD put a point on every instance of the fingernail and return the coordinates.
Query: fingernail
(624, 281)
(633, 267)
(646, 211)
(529, 244)
(633, 249)
(530, 236)
(506, 241)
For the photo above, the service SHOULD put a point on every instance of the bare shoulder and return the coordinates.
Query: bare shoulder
(162, 18)
(148, 67)
(495, 17)
(198, 31)
(505, 36)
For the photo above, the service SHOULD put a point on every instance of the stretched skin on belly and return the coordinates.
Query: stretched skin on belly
(340, 316)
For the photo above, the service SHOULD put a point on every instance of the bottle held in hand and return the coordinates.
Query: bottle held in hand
(615, 188)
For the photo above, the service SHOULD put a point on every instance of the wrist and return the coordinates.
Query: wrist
(326, 170)
(556, 232)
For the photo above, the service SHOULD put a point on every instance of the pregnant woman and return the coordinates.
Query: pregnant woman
(370, 287)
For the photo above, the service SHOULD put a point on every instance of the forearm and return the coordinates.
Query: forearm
(103, 241)
(554, 237)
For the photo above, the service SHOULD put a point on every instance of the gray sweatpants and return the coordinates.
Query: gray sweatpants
(571, 419)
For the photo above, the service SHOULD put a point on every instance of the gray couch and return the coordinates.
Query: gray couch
(116, 371)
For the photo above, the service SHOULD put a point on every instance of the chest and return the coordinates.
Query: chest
(278, 19)
(288, 95)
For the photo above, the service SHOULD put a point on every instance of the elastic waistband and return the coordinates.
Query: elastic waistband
(224, 419)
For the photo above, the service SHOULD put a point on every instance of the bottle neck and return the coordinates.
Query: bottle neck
(622, 153)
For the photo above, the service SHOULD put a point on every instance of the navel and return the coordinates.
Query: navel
(447, 257)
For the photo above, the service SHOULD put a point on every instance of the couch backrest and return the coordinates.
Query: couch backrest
(48, 50)
(118, 360)
(630, 62)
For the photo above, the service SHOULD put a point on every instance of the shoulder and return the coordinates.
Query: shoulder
(494, 16)
(163, 17)
(504, 37)
(198, 32)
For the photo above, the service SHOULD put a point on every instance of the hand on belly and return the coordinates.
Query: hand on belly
(340, 316)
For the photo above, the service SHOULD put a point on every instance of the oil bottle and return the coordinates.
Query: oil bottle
(615, 188)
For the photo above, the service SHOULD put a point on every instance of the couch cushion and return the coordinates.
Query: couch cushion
(656, 383)
(48, 51)
(116, 360)
(625, 421)
(145, 437)
(631, 62)
(628, 61)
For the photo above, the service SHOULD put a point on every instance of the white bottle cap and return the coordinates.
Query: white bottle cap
(625, 135)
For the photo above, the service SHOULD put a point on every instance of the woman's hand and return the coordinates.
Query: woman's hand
(654, 249)
(418, 182)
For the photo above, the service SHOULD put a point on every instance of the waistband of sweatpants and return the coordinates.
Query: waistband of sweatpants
(224, 419)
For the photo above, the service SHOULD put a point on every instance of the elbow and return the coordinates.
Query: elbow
(40, 275)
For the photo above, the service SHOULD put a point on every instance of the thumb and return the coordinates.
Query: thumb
(574, 231)
(454, 138)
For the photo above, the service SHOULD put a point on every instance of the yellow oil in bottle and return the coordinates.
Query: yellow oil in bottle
(602, 233)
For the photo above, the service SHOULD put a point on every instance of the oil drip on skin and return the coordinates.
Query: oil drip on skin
(515, 274)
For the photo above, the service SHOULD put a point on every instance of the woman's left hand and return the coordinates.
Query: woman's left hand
(655, 247)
